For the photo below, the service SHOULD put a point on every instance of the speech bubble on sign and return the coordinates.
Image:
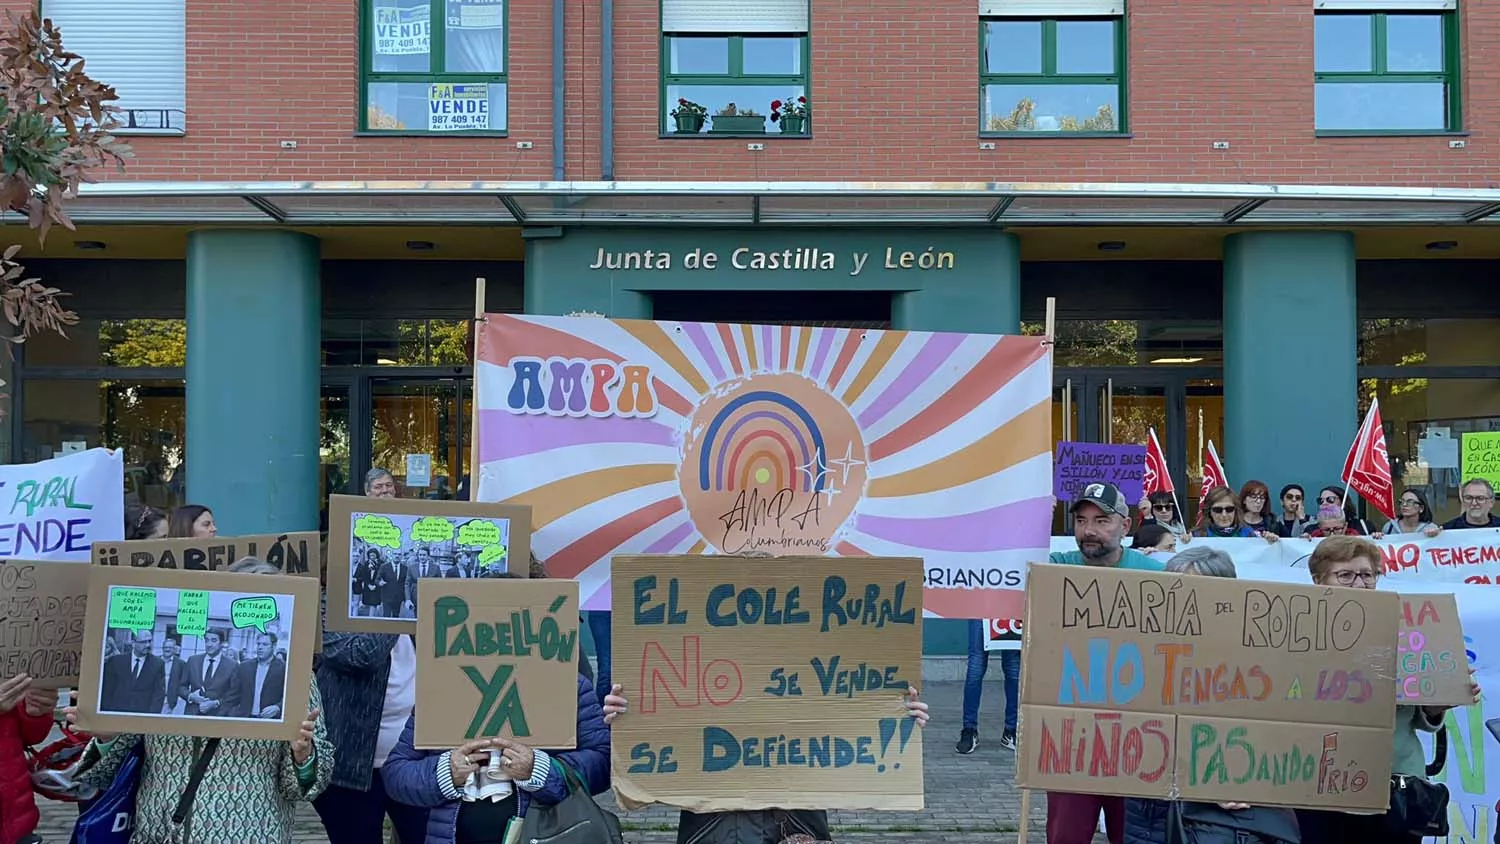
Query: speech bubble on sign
(192, 612)
(479, 533)
(492, 554)
(432, 529)
(252, 612)
(132, 609)
(377, 530)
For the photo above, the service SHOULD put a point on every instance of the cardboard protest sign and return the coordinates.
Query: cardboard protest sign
(198, 653)
(378, 548)
(42, 607)
(1150, 684)
(1431, 667)
(768, 682)
(55, 509)
(1481, 456)
(1079, 464)
(497, 657)
(298, 553)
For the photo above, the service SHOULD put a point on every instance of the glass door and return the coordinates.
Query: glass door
(418, 432)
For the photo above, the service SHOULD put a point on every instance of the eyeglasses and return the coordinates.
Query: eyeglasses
(1478, 499)
(1347, 578)
(1221, 511)
(1292, 496)
(1162, 508)
(1255, 496)
(1410, 502)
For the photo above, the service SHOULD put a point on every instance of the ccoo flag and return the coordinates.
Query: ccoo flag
(1367, 469)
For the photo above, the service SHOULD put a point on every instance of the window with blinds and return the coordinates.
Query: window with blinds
(1052, 66)
(137, 46)
(735, 68)
(1386, 67)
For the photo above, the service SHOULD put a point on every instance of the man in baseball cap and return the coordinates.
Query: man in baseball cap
(1101, 518)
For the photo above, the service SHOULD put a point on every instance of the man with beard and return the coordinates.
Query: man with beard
(1101, 520)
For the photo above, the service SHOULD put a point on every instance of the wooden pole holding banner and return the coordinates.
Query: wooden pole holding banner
(474, 393)
(1023, 832)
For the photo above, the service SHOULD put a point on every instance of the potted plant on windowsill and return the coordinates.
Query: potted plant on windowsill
(731, 120)
(791, 113)
(688, 116)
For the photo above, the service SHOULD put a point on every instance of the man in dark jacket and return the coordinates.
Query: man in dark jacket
(1478, 499)
(174, 670)
(134, 681)
(259, 684)
(209, 676)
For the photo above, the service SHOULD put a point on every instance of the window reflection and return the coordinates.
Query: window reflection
(699, 56)
(1013, 47)
(146, 419)
(1086, 47)
(1376, 106)
(1414, 43)
(1416, 412)
(391, 342)
(112, 342)
(1343, 43)
(1429, 342)
(1051, 108)
(1126, 342)
(772, 56)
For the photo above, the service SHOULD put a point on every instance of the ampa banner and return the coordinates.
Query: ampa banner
(56, 509)
(640, 437)
(1465, 563)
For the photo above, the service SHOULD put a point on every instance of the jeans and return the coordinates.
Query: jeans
(979, 663)
(599, 629)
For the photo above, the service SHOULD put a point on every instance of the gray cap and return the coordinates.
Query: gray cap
(1106, 497)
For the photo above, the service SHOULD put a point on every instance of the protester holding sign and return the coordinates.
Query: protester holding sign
(1147, 821)
(1226, 517)
(1352, 561)
(1160, 508)
(248, 784)
(766, 826)
(1415, 517)
(25, 719)
(473, 792)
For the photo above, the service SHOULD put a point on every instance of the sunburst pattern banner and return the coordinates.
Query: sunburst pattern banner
(641, 437)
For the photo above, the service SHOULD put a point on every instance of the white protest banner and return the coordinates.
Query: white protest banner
(403, 32)
(56, 509)
(455, 108)
(1464, 563)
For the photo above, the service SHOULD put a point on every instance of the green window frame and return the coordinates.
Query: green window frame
(781, 85)
(436, 72)
(1015, 124)
(1380, 73)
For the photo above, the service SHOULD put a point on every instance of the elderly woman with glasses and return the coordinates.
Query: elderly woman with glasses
(1353, 561)
(1333, 496)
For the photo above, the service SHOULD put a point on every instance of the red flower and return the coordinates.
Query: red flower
(775, 104)
(802, 99)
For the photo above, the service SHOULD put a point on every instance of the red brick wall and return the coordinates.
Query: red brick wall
(894, 93)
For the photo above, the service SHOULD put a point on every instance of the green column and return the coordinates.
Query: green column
(254, 306)
(557, 285)
(1289, 357)
(984, 302)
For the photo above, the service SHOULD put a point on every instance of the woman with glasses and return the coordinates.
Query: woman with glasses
(1333, 496)
(1160, 508)
(1414, 516)
(1352, 561)
(1225, 517)
(1255, 502)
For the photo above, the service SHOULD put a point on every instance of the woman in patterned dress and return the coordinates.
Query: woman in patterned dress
(250, 789)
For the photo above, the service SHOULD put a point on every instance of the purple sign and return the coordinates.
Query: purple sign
(1080, 464)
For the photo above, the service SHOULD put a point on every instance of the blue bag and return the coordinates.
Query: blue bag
(111, 816)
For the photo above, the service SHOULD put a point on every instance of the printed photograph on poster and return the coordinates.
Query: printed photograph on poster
(378, 548)
(197, 653)
(457, 108)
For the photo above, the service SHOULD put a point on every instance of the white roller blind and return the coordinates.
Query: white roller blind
(734, 15)
(138, 46)
(1385, 5)
(1050, 8)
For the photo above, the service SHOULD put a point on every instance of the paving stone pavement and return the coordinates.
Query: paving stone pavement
(970, 799)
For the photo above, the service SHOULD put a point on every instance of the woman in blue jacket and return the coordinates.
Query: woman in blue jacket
(473, 791)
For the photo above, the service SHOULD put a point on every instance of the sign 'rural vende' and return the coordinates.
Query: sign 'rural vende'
(1212, 689)
(759, 683)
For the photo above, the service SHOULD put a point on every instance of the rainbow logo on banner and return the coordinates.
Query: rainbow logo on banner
(632, 436)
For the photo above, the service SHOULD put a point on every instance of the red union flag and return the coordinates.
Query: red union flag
(1367, 469)
(1156, 477)
(1214, 475)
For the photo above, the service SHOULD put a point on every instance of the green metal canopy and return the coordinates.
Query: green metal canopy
(993, 204)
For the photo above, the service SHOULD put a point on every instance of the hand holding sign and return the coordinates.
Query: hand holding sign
(12, 690)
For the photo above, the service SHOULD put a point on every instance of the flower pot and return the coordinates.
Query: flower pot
(688, 124)
(793, 124)
(738, 124)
